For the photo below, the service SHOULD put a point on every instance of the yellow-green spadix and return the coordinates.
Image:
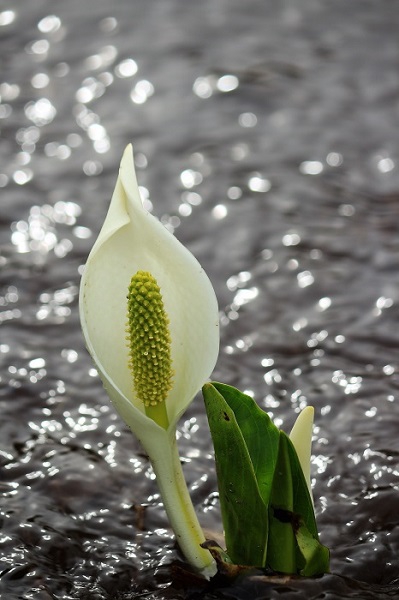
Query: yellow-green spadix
(131, 241)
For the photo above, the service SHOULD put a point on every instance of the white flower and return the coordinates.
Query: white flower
(301, 438)
(133, 240)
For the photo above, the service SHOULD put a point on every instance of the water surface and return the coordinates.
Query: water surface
(266, 139)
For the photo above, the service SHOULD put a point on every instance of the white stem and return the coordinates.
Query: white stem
(179, 508)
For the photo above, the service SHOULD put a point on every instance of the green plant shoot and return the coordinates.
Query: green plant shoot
(266, 506)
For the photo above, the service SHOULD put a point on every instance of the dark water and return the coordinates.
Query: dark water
(266, 136)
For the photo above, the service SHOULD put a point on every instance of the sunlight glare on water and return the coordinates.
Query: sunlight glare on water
(268, 146)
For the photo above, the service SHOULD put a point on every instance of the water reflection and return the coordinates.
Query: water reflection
(7, 17)
(49, 24)
(126, 68)
(257, 183)
(142, 90)
(261, 146)
(39, 234)
(311, 167)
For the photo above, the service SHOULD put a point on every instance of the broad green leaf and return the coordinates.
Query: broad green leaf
(281, 548)
(244, 513)
(259, 432)
(316, 557)
(293, 545)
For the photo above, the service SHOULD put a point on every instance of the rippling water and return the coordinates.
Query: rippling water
(266, 139)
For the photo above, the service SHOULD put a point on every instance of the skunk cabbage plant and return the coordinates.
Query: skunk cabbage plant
(150, 320)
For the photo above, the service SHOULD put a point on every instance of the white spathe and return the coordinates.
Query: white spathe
(132, 240)
(301, 438)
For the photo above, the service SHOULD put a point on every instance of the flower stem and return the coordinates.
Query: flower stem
(179, 508)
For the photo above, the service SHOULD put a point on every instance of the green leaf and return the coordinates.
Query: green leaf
(244, 513)
(281, 549)
(293, 545)
(259, 432)
(316, 556)
(266, 505)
